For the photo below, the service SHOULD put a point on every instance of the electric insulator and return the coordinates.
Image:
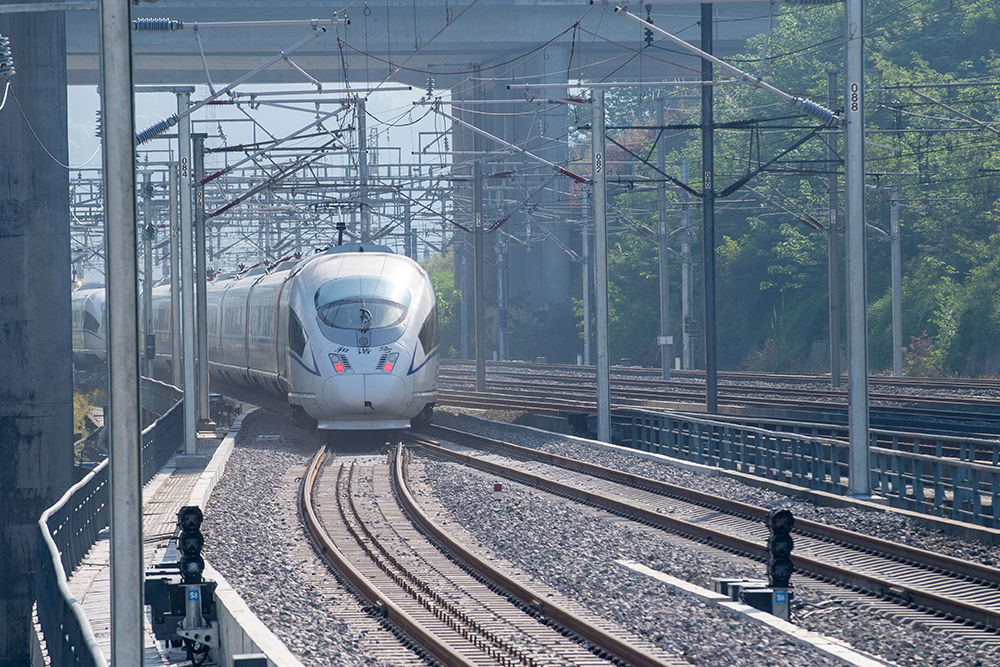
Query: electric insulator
(156, 25)
(6, 58)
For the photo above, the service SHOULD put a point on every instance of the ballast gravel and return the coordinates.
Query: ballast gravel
(254, 538)
(575, 551)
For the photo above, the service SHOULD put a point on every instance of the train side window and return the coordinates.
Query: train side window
(428, 332)
(296, 334)
(90, 323)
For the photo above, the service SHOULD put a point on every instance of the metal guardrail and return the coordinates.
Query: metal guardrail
(965, 448)
(161, 438)
(936, 485)
(70, 528)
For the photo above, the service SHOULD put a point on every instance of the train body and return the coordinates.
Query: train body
(349, 335)
(89, 324)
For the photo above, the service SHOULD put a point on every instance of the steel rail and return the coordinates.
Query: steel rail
(972, 384)
(657, 386)
(894, 590)
(622, 650)
(422, 636)
(826, 532)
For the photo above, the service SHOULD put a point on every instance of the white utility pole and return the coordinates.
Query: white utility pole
(897, 282)
(201, 272)
(147, 275)
(177, 370)
(859, 480)
(664, 340)
(123, 333)
(833, 237)
(366, 220)
(188, 335)
(687, 284)
(601, 269)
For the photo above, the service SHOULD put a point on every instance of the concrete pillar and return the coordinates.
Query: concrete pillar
(36, 380)
(541, 274)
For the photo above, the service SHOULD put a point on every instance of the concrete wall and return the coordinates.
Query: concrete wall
(36, 382)
(240, 630)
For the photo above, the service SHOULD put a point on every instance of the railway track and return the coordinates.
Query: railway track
(358, 516)
(643, 387)
(986, 387)
(965, 594)
(566, 390)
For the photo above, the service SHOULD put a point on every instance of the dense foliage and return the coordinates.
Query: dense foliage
(449, 319)
(938, 144)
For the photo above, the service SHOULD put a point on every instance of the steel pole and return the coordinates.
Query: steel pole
(409, 248)
(464, 303)
(708, 210)
(366, 219)
(585, 254)
(147, 274)
(833, 236)
(859, 481)
(201, 317)
(479, 275)
(501, 298)
(664, 340)
(897, 283)
(188, 334)
(123, 336)
(601, 270)
(177, 370)
(686, 277)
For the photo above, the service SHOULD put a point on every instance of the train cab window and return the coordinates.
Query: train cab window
(90, 323)
(428, 332)
(362, 303)
(296, 334)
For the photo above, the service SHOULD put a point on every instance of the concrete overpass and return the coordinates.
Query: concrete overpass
(439, 36)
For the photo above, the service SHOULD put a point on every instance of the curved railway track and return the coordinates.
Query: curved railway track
(360, 523)
(965, 592)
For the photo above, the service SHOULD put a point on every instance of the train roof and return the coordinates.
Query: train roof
(358, 247)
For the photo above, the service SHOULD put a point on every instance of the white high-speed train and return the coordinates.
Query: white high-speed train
(349, 335)
(89, 324)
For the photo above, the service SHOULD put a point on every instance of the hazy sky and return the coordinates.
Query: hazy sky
(389, 107)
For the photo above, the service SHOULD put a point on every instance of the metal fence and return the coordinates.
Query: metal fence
(908, 478)
(965, 448)
(71, 527)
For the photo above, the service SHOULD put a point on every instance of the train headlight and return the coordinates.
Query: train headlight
(340, 364)
(390, 362)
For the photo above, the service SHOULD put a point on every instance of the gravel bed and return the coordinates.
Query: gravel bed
(574, 550)
(254, 538)
(886, 525)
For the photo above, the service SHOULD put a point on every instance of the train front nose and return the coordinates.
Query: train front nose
(358, 395)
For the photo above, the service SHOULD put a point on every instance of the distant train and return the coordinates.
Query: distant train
(89, 324)
(349, 335)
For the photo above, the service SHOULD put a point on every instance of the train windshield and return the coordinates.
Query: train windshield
(362, 303)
